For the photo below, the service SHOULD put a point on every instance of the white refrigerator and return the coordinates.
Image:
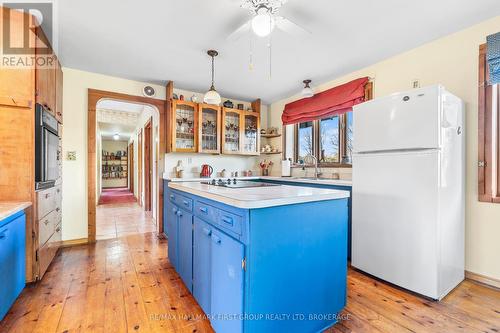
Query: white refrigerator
(408, 190)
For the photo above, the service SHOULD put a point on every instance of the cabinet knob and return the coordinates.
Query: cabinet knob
(204, 210)
(46, 222)
(185, 203)
(179, 213)
(227, 220)
(216, 239)
(207, 231)
(3, 234)
(47, 196)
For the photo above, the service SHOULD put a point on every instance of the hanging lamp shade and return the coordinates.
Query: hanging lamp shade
(212, 96)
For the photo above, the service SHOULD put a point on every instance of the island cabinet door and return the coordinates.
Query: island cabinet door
(185, 248)
(201, 263)
(12, 261)
(172, 232)
(227, 283)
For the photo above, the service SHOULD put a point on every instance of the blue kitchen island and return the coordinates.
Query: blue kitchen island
(260, 259)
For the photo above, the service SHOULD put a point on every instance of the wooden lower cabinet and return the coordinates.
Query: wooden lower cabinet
(49, 231)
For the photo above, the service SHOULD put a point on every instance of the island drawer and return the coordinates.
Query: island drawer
(181, 201)
(229, 221)
(205, 211)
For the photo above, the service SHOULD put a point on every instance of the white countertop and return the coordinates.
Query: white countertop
(10, 208)
(325, 181)
(259, 197)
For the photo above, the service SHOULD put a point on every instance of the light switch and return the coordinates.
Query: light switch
(71, 155)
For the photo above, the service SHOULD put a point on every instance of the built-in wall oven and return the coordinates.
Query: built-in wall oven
(46, 148)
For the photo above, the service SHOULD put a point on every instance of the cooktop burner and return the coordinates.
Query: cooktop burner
(234, 183)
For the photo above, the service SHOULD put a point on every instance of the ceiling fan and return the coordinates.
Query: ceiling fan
(265, 19)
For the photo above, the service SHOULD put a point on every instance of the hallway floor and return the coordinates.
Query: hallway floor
(116, 195)
(122, 219)
(128, 284)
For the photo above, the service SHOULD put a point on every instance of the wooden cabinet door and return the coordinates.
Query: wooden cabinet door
(202, 264)
(17, 83)
(209, 126)
(185, 248)
(227, 282)
(59, 92)
(45, 75)
(184, 133)
(231, 131)
(251, 133)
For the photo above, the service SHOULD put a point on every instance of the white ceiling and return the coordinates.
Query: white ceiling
(107, 130)
(155, 41)
(110, 104)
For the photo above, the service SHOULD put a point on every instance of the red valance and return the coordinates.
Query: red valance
(326, 104)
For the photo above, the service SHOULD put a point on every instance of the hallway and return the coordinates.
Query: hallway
(116, 195)
(122, 219)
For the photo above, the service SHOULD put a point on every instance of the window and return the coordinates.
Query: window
(489, 136)
(305, 140)
(330, 140)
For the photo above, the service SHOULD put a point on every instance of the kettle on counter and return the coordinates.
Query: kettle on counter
(206, 171)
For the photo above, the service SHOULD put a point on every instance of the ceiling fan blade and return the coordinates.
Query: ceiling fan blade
(238, 33)
(288, 26)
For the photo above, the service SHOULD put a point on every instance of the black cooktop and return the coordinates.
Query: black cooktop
(234, 183)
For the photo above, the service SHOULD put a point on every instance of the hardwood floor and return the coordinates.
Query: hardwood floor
(122, 219)
(127, 284)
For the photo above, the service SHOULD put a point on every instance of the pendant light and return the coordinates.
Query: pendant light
(212, 96)
(307, 92)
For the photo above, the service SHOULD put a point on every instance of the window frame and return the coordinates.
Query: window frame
(488, 150)
(316, 138)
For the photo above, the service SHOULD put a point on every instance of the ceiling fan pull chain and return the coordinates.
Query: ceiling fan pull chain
(250, 66)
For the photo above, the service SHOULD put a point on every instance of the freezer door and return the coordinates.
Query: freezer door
(394, 218)
(400, 121)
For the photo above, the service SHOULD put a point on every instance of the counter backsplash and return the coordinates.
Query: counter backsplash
(192, 164)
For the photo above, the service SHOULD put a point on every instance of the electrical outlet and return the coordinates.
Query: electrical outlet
(415, 84)
(71, 155)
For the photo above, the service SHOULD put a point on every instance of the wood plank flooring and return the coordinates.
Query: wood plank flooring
(127, 284)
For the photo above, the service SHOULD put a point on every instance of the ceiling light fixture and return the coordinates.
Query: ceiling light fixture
(307, 92)
(263, 23)
(116, 137)
(212, 96)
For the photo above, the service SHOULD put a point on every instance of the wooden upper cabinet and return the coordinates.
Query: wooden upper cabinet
(45, 75)
(209, 128)
(59, 92)
(184, 133)
(251, 133)
(20, 90)
(232, 120)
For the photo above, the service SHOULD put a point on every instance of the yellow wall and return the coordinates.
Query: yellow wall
(453, 62)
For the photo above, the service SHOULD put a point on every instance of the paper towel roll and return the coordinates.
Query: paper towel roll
(286, 168)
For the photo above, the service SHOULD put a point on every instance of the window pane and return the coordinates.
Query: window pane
(305, 137)
(349, 137)
(329, 140)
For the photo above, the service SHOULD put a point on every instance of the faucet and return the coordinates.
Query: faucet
(317, 174)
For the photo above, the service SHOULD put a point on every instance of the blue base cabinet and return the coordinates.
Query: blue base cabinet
(334, 187)
(12, 260)
(276, 269)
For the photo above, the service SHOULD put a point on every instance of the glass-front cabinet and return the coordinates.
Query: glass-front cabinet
(251, 133)
(185, 126)
(231, 131)
(209, 129)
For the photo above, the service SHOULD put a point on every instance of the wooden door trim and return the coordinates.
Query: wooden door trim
(131, 170)
(139, 167)
(148, 157)
(93, 97)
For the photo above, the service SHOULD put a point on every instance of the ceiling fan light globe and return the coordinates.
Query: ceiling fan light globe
(116, 137)
(212, 97)
(307, 92)
(263, 23)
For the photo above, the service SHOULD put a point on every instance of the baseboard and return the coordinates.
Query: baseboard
(492, 282)
(74, 242)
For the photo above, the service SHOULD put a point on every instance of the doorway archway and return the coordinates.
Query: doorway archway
(94, 96)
